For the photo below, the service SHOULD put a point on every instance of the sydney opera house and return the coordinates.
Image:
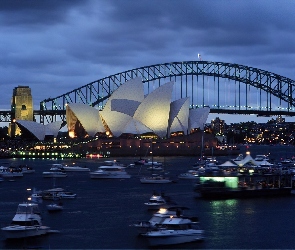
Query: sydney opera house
(130, 114)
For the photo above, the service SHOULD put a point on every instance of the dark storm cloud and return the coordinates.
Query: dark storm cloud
(34, 13)
(55, 46)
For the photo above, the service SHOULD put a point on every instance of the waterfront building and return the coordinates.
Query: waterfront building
(129, 111)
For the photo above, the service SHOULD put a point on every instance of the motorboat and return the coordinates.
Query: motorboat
(27, 169)
(74, 168)
(110, 172)
(25, 223)
(157, 201)
(175, 230)
(8, 172)
(54, 174)
(157, 218)
(287, 161)
(66, 195)
(51, 194)
(190, 175)
(57, 167)
(57, 194)
(54, 207)
(261, 158)
(112, 163)
(160, 179)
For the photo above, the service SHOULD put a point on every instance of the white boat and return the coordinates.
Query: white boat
(8, 172)
(27, 169)
(66, 195)
(74, 168)
(54, 207)
(157, 201)
(175, 230)
(155, 179)
(57, 167)
(110, 172)
(57, 194)
(190, 175)
(261, 158)
(157, 219)
(54, 174)
(25, 223)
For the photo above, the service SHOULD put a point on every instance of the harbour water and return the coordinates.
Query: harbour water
(100, 216)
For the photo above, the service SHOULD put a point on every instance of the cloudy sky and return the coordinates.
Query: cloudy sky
(55, 46)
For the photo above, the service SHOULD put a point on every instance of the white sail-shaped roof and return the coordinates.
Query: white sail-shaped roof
(154, 109)
(178, 116)
(87, 116)
(198, 117)
(53, 128)
(116, 121)
(136, 127)
(116, 113)
(127, 107)
(130, 90)
(37, 129)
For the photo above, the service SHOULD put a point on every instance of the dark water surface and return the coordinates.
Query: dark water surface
(99, 217)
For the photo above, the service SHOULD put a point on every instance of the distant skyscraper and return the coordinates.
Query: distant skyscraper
(217, 125)
(21, 107)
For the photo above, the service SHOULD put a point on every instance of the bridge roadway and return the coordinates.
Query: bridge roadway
(5, 116)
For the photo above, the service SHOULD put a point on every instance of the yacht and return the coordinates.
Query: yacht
(261, 158)
(157, 219)
(57, 167)
(190, 175)
(110, 172)
(175, 230)
(27, 169)
(54, 207)
(8, 172)
(74, 168)
(157, 201)
(66, 195)
(57, 194)
(25, 223)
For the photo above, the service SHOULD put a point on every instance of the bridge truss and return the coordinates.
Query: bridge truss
(224, 87)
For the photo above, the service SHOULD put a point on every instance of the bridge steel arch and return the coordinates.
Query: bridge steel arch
(229, 90)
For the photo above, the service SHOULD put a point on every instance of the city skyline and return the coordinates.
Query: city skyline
(56, 46)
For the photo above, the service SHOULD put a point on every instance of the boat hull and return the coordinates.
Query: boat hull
(173, 237)
(16, 232)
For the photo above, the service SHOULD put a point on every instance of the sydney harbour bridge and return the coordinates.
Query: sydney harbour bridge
(224, 87)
